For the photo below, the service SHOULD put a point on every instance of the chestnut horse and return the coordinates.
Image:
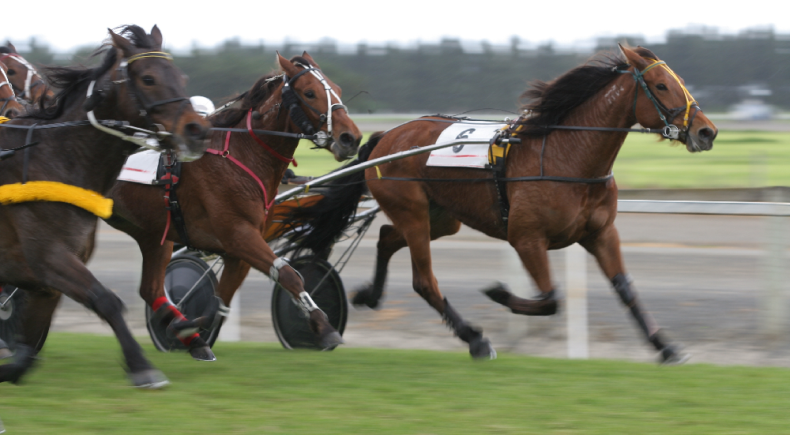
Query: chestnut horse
(558, 189)
(27, 83)
(226, 197)
(10, 107)
(44, 239)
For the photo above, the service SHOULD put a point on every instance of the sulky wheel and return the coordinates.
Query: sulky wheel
(11, 303)
(181, 274)
(324, 285)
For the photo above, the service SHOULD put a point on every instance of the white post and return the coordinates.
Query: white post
(231, 328)
(576, 283)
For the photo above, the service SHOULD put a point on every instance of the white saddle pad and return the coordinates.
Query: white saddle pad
(140, 167)
(464, 156)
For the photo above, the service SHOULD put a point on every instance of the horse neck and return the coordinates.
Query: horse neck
(261, 161)
(592, 154)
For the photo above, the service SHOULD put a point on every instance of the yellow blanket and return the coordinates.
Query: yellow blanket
(56, 192)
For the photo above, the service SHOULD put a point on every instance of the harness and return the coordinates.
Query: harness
(6, 82)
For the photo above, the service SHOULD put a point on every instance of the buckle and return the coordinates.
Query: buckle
(671, 131)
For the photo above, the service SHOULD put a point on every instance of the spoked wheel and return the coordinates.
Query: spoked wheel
(324, 285)
(189, 285)
(12, 300)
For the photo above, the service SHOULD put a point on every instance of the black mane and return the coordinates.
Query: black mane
(72, 81)
(552, 101)
(260, 92)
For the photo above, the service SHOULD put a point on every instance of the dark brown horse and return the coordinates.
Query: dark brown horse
(557, 191)
(27, 83)
(226, 201)
(9, 106)
(44, 244)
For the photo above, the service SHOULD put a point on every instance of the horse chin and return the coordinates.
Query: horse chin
(188, 152)
(694, 146)
(341, 153)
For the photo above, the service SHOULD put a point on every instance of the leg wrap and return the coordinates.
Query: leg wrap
(279, 263)
(622, 285)
(166, 312)
(457, 324)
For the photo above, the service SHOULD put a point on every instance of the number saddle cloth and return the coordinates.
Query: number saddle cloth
(482, 156)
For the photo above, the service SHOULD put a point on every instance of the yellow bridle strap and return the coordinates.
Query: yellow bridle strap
(150, 54)
(689, 99)
(3, 119)
(52, 191)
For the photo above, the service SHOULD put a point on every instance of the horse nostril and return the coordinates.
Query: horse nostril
(347, 140)
(706, 133)
(195, 131)
(11, 114)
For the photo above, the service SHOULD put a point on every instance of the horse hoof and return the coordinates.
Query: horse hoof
(498, 293)
(6, 353)
(363, 298)
(480, 348)
(202, 353)
(331, 341)
(673, 356)
(151, 379)
(546, 305)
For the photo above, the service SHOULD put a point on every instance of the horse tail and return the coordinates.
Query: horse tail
(318, 226)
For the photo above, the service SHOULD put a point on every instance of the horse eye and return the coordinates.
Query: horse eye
(661, 87)
(309, 94)
(149, 81)
(11, 72)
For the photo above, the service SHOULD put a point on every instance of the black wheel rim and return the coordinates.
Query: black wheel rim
(10, 314)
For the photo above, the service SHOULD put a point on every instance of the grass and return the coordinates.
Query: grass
(738, 159)
(261, 388)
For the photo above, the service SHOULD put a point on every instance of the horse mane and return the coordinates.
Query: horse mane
(550, 102)
(73, 80)
(254, 97)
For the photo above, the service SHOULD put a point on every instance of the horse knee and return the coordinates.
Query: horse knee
(104, 302)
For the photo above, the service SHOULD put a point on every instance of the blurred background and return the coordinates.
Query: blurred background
(715, 283)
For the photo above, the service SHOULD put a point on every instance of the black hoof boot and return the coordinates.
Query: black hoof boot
(480, 348)
(24, 359)
(671, 355)
(328, 337)
(200, 351)
(545, 305)
(364, 298)
(151, 379)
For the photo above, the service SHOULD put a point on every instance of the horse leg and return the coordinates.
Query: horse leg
(534, 257)
(152, 290)
(244, 241)
(413, 219)
(390, 242)
(233, 274)
(58, 268)
(605, 247)
(36, 319)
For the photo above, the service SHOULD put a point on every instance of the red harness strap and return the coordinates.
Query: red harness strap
(263, 144)
(162, 300)
(225, 153)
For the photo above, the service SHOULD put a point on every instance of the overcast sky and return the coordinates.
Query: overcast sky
(64, 25)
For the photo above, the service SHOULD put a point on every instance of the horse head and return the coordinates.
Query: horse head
(27, 82)
(151, 93)
(9, 106)
(314, 104)
(663, 102)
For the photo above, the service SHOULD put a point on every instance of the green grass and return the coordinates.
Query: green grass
(261, 388)
(738, 159)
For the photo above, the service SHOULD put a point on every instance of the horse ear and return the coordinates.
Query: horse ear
(11, 46)
(156, 35)
(126, 48)
(286, 65)
(310, 60)
(633, 58)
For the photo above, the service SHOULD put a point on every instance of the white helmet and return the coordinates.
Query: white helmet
(202, 105)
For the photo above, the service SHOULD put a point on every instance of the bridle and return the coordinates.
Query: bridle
(6, 100)
(148, 138)
(24, 93)
(291, 102)
(670, 131)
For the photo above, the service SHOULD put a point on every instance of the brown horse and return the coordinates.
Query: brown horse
(27, 83)
(557, 188)
(10, 107)
(44, 240)
(226, 201)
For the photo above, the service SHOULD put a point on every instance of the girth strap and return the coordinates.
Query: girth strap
(170, 180)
